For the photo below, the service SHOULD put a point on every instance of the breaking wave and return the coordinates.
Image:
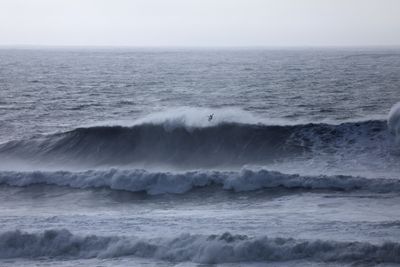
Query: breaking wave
(394, 120)
(196, 248)
(177, 144)
(182, 182)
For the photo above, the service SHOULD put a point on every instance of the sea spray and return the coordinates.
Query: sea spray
(208, 249)
(155, 183)
(394, 121)
(219, 145)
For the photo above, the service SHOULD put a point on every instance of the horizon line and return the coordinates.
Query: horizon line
(72, 46)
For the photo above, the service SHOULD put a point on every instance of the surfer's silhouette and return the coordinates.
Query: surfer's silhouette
(210, 117)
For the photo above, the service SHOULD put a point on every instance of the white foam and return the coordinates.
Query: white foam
(197, 117)
(180, 182)
(195, 248)
(394, 120)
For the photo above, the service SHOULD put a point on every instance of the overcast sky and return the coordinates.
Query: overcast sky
(200, 22)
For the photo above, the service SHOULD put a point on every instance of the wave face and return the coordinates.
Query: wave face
(225, 144)
(178, 183)
(196, 248)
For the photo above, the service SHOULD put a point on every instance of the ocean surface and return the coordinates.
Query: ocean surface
(108, 158)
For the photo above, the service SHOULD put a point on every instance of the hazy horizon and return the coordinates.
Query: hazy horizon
(179, 23)
(206, 47)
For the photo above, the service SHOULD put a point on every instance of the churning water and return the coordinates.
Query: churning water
(108, 157)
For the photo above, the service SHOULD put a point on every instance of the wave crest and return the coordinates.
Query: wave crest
(182, 182)
(394, 120)
(196, 248)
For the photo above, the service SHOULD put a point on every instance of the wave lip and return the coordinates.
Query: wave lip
(196, 248)
(154, 183)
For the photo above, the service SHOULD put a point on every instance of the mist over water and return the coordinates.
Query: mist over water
(109, 156)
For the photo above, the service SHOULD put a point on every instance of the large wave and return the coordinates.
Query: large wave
(181, 182)
(196, 248)
(216, 145)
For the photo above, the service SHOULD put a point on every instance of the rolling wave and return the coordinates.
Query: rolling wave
(181, 182)
(196, 248)
(224, 144)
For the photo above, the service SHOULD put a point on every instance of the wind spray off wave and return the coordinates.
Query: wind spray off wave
(394, 120)
(185, 142)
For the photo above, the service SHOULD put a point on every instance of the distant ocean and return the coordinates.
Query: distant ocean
(109, 157)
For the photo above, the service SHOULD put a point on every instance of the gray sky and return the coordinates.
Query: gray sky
(200, 22)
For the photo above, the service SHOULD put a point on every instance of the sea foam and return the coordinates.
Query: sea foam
(394, 120)
(154, 183)
(187, 247)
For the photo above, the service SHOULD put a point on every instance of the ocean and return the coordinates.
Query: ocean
(109, 157)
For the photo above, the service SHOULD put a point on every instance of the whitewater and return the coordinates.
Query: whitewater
(113, 161)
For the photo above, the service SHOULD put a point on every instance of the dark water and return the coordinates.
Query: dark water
(108, 158)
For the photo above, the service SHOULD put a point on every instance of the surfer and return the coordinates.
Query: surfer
(210, 117)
